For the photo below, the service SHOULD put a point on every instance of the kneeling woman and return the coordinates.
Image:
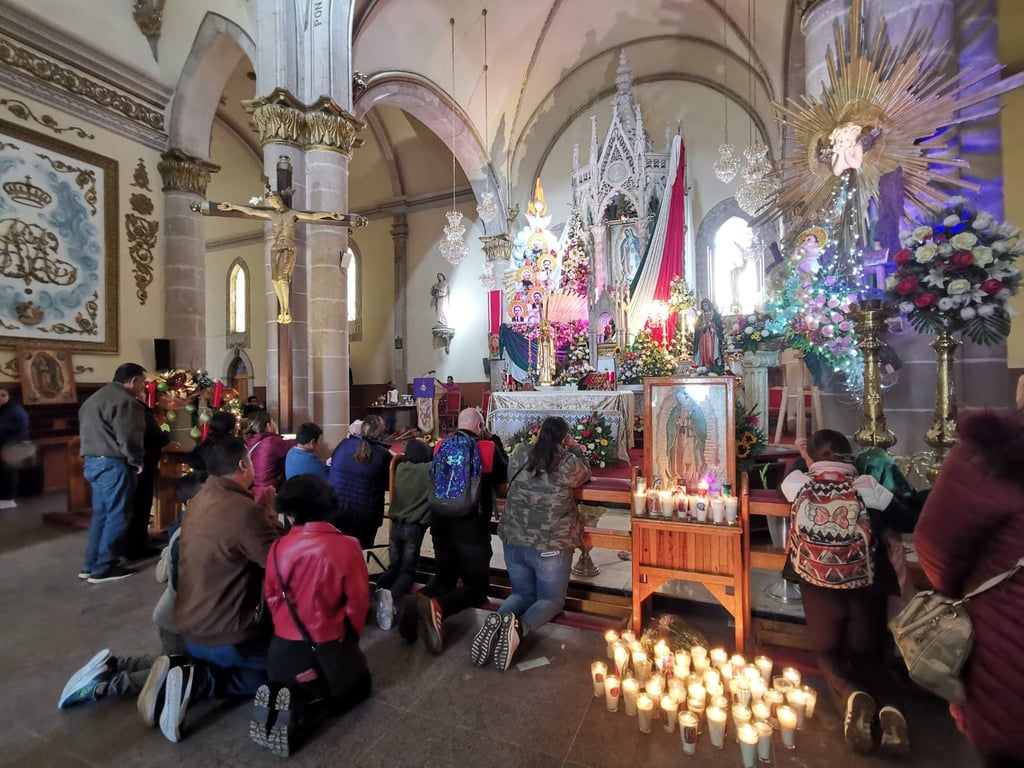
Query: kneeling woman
(317, 589)
(539, 528)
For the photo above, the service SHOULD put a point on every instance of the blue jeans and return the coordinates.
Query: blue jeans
(113, 493)
(539, 582)
(403, 557)
(228, 670)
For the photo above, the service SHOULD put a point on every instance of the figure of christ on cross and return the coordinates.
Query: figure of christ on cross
(282, 219)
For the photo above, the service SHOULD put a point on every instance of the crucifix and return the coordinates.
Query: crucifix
(275, 207)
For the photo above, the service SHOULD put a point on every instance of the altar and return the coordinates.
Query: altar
(509, 412)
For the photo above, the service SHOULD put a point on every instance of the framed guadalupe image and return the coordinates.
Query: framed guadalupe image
(58, 244)
(625, 249)
(690, 431)
(47, 376)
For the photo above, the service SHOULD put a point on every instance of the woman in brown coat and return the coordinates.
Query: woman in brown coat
(972, 528)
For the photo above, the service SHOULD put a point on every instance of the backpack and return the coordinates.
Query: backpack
(456, 474)
(830, 538)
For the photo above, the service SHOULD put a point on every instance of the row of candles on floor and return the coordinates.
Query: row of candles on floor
(697, 507)
(681, 688)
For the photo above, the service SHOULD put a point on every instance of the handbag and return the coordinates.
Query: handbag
(19, 455)
(934, 635)
(327, 659)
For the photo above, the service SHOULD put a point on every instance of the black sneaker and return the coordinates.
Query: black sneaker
(114, 573)
(508, 642)
(860, 711)
(408, 618)
(482, 650)
(262, 717)
(895, 738)
(279, 736)
(432, 623)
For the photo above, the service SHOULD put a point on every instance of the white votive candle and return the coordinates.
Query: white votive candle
(731, 505)
(792, 674)
(681, 668)
(711, 677)
(747, 735)
(757, 689)
(773, 698)
(611, 693)
(764, 666)
(655, 687)
(810, 699)
(640, 503)
(641, 666)
(738, 663)
(610, 637)
(761, 710)
(716, 726)
(700, 663)
(718, 656)
(741, 715)
(644, 712)
(697, 691)
(669, 712)
(715, 690)
(598, 670)
(717, 510)
(628, 636)
(630, 690)
(621, 657)
(797, 699)
(677, 689)
(688, 729)
(764, 742)
(722, 702)
(668, 503)
(787, 725)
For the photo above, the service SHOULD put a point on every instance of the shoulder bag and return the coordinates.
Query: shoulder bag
(934, 635)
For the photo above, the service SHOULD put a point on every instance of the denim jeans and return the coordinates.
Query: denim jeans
(229, 670)
(403, 558)
(539, 582)
(113, 493)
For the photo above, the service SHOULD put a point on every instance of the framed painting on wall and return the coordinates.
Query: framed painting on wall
(47, 376)
(690, 431)
(58, 244)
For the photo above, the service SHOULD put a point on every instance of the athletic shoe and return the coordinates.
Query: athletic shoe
(482, 651)
(508, 642)
(177, 692)
(83, 575)
(431, 622)
(262, 714)
(408, 618)
(895, 739)
(279, 737)
(89, 682)
(860, 711)
(385, 608)
(8, 504)
(114, 573)
(151, 696)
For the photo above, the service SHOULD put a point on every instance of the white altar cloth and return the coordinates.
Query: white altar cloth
(508, 412)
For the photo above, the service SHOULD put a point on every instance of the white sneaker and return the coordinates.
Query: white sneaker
(508, 642)
(177, 692)
(384, 605)
(860, 711)
(91, 669)
(8, 504)
(148, 702)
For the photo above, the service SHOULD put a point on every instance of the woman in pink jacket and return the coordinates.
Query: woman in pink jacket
(267, 450)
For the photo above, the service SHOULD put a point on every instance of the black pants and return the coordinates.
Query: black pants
(136, 536)
(292, 663)
(462, 550)
(403, 557)
(847, 628)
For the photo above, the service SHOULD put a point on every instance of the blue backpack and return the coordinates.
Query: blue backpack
(456, 474)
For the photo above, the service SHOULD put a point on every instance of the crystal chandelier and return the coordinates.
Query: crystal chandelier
(487, 278)
(727, 165)
(755, 196)
(487, 209)
(453, 245)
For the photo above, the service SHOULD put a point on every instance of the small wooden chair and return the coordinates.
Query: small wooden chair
(797, 386)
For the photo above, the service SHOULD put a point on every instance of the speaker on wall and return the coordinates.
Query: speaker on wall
(162, 354)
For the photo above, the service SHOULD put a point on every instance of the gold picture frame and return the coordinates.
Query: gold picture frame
(59, 238)
(690, 431)
(47, 376)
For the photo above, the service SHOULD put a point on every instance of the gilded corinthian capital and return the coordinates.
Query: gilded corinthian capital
(281, 118)
(183, 172)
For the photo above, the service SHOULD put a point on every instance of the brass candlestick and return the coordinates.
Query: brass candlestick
(942, 436)
(870, 317)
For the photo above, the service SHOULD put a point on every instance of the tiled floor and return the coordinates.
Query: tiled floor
(425, 710)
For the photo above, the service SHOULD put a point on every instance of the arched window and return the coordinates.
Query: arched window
(353, 263)
(238, 304)
(737, 268)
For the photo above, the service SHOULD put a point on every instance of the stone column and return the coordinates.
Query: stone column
(400, 240)
(185, 179)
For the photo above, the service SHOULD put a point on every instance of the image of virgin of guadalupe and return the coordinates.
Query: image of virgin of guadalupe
(687, 433)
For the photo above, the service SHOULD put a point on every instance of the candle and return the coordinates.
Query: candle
(677, 689)
(810, 699)
(793, 675)
(711, 678)
(669, 710)
(700, 663)
(715, 690)
(655, 688)
(641, 666)
(621, 657)
(696, 706)
(721, 702)
(726, 670)
(218, 394)
(644, 712)
(741, 715)
(716, 726)
(757, 689)
(206, 431)
(764, 666)
(698, 651)
(761, 711)
(682, 664)
(717, 510)
(611, 693)
(639, 503)
(697, 691)
(751, 673)
(748, 744)
(667, 503)
(598, 670)
(635, 646)
(739, 689)
(718, 656)
(738, 663)
(787, 725)
(773, 698)
(764, 742)
(610, 637)
(781, 684)
(628, 636)
(630, 690)
(688, 723)
(681, 503)
(151, 394)
(641, 485)
(797, 699)
(731, 503)
(701, 506)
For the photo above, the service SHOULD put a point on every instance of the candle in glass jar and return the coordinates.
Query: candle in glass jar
(677, 689)
(781, 684)
(700, 663)
(726, 670)
(764, 666)
(741, 715)
(641, 485)
(716, 689)
(630, 690)
(697, 691)
(696, 706)
(739, 689)
(761, 710)
(731, 504)
(757, 689)
(717, 510)
(716, 726)
(797, 700)
(721, 702)
(667, 503)
(793, 675)
(641, 666)
(681, 668)
(621, 657)
(738, 663)
(628, 636)
(611, 693)
(681, 503)
(698, 652)
(747, 735)
(810, 699)
(787, 725)
(644, 712)
(751, 673)
(711, 678)
(701, 507)
(655, 687)
(773, 698)
(688, 728)
(669, 711)
(598, 670)
(610, 637)
(640, 503)
(718, 656)
(764, 742)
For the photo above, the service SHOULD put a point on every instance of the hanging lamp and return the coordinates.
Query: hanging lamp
(453, 245)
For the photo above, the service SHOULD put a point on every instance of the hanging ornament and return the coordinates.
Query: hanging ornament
(487, 208)
(453, 245)
(727, 165)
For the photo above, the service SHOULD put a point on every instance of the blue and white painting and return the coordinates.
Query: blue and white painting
(58, 244)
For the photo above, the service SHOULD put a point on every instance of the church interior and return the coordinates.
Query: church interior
(705, 225)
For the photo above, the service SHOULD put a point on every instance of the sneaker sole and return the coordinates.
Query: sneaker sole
(258, 725)
(858, 732)
(84, 575)
(173, 715)
(105, 579)
(84, 675)
(506, 647)
(432, 634)
(149, 696)
(278, 738)
(482, 650)
(895, 739)
(385, 610)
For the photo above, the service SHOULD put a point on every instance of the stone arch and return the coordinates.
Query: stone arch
(232, 354)
(429, 104)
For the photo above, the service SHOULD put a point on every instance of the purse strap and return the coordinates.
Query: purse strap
(995, 581)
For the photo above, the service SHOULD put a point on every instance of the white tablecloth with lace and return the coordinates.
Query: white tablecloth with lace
(508, 412)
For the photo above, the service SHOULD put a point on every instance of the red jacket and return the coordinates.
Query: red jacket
(972, 528)
(327, 579)
(267, 451)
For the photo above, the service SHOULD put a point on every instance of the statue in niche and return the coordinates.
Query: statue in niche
(439, 296)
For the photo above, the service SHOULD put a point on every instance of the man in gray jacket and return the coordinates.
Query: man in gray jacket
(111, 424)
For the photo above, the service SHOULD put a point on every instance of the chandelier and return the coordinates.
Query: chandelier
(727, 165)
(487, 208)
(762, 184)
(453, 245)
(487, 278)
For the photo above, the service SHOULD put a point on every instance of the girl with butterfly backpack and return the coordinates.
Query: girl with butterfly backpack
(834, 552)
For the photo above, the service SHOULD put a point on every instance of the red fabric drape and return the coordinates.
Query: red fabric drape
(494, 312)
(675, 239)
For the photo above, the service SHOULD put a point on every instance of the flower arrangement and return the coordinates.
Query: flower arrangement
(681, 296)
(576, 364)
(751, 439)
(957, 273)
(575, 260)
(527, 436)
(749, 333)
(597, 440)
(644, 358)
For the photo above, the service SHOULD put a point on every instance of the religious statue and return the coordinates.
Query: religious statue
(274, 208)
(708, 337)
(810, 245)
(439, 294)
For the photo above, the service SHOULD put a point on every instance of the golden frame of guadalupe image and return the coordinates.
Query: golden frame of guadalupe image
(47, 376)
